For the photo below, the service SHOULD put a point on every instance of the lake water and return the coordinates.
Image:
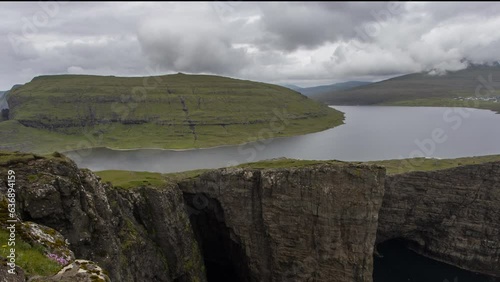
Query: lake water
(369, 133)
(399, 264)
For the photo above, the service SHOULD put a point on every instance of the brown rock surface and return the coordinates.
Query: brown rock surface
(451, 215)
(5, 276)
(297, 224)
(78, 271)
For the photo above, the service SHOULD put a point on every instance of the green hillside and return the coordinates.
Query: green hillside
(67, 112)
(423, 89)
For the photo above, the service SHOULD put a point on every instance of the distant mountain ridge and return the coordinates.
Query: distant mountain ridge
(322, 89)
(423, 89)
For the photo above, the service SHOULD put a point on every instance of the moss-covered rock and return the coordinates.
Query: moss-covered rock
(51, 240)
(78, 271)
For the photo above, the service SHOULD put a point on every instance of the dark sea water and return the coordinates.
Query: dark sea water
(399, 264)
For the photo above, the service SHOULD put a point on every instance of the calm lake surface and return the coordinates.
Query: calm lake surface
(399, 264)
(369, 133)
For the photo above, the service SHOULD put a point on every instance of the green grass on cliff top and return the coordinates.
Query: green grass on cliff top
(128, 179)
(392, 166)
(424, 164)
(66, 112)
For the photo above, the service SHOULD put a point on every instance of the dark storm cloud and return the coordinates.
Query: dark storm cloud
(294, 25)
(274, 42)
(196, 42)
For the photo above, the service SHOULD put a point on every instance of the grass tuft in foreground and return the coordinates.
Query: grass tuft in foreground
(30, 258)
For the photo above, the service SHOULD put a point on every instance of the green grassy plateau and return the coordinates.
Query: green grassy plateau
(67, 112)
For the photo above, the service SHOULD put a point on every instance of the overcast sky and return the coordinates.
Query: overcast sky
(300, 43)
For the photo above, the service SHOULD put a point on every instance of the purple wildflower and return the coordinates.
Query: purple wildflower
(60, 260)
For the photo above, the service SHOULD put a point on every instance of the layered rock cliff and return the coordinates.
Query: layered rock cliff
(313, 223)
(450, 215)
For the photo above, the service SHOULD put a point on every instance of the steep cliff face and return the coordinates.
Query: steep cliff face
(312, 223)
(450, 215)
(297, 224)
(141, 234)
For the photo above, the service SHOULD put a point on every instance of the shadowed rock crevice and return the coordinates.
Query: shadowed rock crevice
(225, 260)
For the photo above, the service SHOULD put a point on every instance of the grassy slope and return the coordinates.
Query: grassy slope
(421, 89)
(181, 111)
(422, 164)
(130, 179)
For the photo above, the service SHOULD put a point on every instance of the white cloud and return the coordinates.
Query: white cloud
(275, 42)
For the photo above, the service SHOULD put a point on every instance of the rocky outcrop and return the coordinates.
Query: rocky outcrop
(78, 271)
(297, 224)
(5, 276)
(450, 215)
(136, 235)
